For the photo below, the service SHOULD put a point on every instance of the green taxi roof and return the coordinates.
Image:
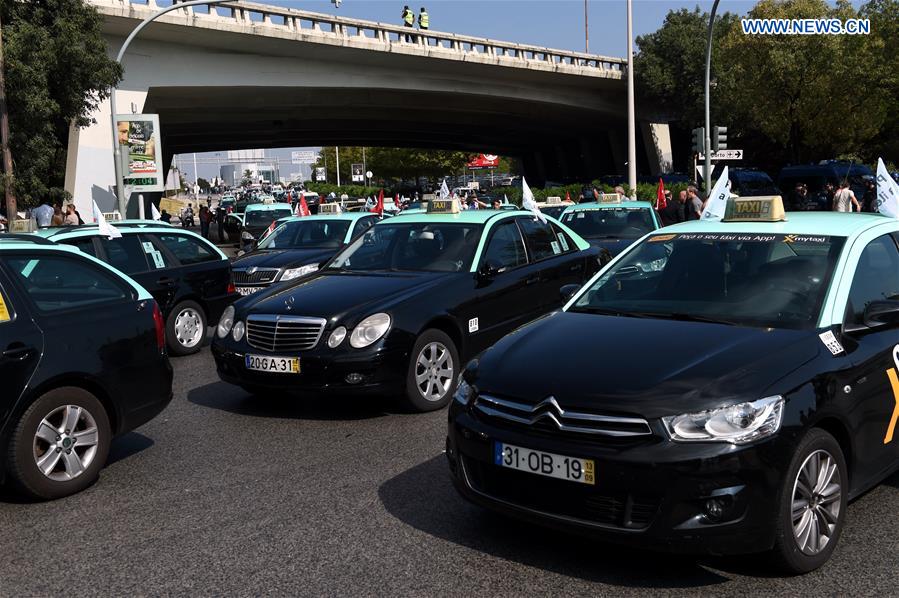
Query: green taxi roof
(464, 217)
(834, 224)
(609, 205)
(351, 216)
(268, 207)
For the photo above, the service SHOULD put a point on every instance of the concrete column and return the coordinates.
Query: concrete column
(619, 154)
(657, 140)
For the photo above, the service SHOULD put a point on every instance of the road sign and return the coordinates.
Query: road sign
(368, 174)
(303, 157)
(728, 154)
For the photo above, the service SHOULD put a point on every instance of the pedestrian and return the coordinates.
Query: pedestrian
(165, 217)
(205, 218)
(220, 216)
(72, 218)
(680, 213)
(870, 196)
(43, 214)
(423, 21)
(187, 216)
(694, 204)
(408, 20)
(668, 214)
(800, 197)
(844, 199)
(58, 218)
(497, 204)
(619, 191)
(828, 194)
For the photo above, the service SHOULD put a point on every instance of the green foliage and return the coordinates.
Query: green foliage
(57, 72)
(393, 164)
(353, 191)
(203, 184)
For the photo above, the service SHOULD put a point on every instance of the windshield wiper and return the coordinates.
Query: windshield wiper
(683, 317)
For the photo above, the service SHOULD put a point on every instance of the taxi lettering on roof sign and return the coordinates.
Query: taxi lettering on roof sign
(553, 200)
(329, 208)
(755, 209)
(443, 206)
(609, 198)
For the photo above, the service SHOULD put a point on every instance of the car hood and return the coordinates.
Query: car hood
(640, 366)
(343, 296)
(282, 258)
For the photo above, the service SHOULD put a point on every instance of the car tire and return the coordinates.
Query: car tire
(33, 444)
(820, 506)
(185, 329)
(433, 371)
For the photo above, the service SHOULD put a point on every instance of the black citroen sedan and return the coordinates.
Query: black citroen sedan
(82, 360)
(725, 387)
(402, 305)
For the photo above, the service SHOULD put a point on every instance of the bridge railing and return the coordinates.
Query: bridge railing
(385, 36)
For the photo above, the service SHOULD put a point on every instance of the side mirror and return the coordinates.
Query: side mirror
(880, 314)
(488, 270)
(568, 291)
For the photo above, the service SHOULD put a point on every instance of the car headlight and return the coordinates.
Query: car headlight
(369, 330)
(237, 331)
(337, 337)
(292, 273)
(226, 322)
(464, 392)
(245, 236)
(737, 424)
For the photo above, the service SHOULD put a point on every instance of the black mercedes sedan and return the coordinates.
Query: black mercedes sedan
(297, 246)
(402, 306)
(82, 360)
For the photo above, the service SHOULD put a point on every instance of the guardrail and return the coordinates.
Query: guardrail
(312, 26)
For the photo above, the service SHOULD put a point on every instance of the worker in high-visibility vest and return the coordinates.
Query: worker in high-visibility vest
(408, 20)
(423, 21)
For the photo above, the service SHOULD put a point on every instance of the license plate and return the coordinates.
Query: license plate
(277, 365)
(248, 290)
(545, 464)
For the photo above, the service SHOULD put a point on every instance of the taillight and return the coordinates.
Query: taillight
(231, 288)
(159, 323)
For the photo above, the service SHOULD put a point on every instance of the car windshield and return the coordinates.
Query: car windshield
(307, 234)
(424, 247)
(259, 218)
(771, 281)
(610, 223)
(752, 184)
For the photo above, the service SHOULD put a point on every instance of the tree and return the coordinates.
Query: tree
(393, 163)
(247, 177)
(203, 184)
(57, 73)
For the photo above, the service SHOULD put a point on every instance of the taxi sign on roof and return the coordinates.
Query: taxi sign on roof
(443, 206)
(329, 208)
(554, 199)
(609, 198)
(755, 209)
(268, 201)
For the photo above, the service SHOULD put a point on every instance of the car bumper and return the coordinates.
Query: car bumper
(154, 396)
(653, 494)
(380, 370)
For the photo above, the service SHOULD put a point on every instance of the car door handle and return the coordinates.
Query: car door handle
(17, 352)
(166, 282)
(532, 280)
(576, 267)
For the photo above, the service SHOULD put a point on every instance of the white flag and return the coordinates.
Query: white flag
(444, 190)
(106, 229)
(527, 201)
(887, 192)
(155, 212)
(716, 204)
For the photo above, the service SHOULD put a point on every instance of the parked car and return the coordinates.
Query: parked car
(257, 219)
(83, 360)
(189, 277)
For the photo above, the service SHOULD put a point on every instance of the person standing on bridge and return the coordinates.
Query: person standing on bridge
(408, 20)
(424, 22)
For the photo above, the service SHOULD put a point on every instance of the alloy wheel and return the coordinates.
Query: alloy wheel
(188, 327)
(817, 501)
(65, 442)
(434, 371)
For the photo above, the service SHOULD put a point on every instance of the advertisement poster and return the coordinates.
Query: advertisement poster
(483, 161)
(141, 149)
(320, 174)
(356, 171)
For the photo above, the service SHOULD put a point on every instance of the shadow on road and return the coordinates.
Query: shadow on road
(424, 498)
(226, 397)
(127, 445)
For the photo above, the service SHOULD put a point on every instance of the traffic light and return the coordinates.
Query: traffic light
(699, 140)
(719, 138)
(336, 3)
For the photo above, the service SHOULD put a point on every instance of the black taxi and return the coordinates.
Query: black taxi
(722, 387)
(403, 304)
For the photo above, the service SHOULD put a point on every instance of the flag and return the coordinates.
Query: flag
(568, 197)
(716, 204)
(527, 201)
(379, 207)
(268, 231)
(155, 212)
(444, 190)
(303, 207)
(887, 201)
(106, 229)
(661, 204)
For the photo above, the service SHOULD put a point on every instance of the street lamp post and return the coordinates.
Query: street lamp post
(116, 149)
(631, 117)
(707, 169)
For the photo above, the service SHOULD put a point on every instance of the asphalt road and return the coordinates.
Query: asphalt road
(227, 494)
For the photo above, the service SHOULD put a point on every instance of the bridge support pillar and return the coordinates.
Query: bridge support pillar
(657, 140)
(90, 175)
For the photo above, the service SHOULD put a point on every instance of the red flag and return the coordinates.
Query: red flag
(379, 207)
(269, 230)
(567, 196)
(661, 202)
(303, 207)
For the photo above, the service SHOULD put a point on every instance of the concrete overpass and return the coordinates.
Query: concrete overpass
(244, 75)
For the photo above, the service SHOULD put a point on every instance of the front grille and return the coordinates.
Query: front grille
(284, 334)
(548, 417)
(561, 497)
(258, 276)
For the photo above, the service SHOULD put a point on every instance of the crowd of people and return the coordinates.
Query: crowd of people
(837, 198)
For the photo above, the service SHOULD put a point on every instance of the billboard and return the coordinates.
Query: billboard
(319, 174)
(303, 157)
(141, 148)
(356, 171)
(482, 161)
